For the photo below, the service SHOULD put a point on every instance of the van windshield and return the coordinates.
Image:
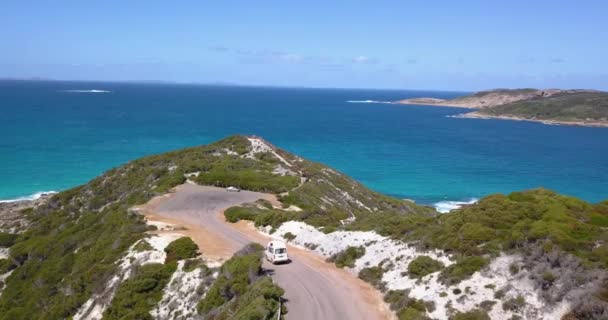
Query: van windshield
(280, 250)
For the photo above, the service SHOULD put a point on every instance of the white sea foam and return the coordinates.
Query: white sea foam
(447, 206)
(88, 91)
(367, 101)
(34, 196)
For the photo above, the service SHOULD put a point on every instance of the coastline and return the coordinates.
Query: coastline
(477, 115)
(433, 104)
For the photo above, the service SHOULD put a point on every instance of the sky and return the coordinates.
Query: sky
(407, 44)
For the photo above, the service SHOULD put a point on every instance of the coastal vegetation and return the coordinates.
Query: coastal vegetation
(373, 276)
(242, 290)
(347, 257)
(7, 239)
(405, 306)
(138, 295)
(565, 106)
(69, 253)
(581, 107)
(422, 266)
(75, 238)
(180, 249)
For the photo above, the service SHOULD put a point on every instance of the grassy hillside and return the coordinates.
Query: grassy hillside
(69, 252)
(242, 290)
(561, 239)
(566, 106)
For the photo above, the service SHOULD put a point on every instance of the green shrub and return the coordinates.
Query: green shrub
(411, 314)
(289, 236)
(462, 269)
(192, 264)
(373, 276)
(405, 306)
(347, 257)
(499, 223)
(241, 291)
(273, 218)
(170, 180)
(264, 203)
(233, 279)
(514, 304)
(234, 214)
(7, 239)
(6, 265)
(476, 232)
(138, 295)
(180, 249)
(422, 266)
(142, 245)
(477, 314)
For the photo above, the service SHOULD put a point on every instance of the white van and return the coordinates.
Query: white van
(276, 252)
(233, 189)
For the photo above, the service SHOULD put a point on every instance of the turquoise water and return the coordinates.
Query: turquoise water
(54, 138)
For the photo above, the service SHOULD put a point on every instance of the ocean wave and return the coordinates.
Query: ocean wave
(34, 196)
(88, 91)
(447, 206)
(367, 101)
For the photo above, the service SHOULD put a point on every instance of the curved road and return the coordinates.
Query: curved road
(314, 289)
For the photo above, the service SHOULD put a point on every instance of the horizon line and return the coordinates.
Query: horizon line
(234, 84)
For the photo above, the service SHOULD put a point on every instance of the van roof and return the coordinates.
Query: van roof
(277, 244)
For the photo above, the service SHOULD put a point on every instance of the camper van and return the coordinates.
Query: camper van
(276, 252)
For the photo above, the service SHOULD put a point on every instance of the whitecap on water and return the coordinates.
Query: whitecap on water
(447, 206)
(87, 91)
(367, 101)
(34, 196)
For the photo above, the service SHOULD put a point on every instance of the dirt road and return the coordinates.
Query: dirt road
(314, 289)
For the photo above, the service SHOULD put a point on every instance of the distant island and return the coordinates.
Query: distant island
(550, 106)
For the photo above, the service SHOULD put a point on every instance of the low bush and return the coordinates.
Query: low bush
(234, 214)
(373, 276)
(476, 314)
(142, 245)
(7, 239)
(191, 264)
(6, 265)
(405, 306)
(347, 257)
(515, 304)
(289, 236)
(137, 296)
(241, 290)
(462, 269)
(180, 249)
(422, 266)
(412, 314)
(273, 218)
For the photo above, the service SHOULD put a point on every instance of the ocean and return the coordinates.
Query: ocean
(56, 135)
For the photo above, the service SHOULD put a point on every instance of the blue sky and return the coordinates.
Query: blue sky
(444, 45)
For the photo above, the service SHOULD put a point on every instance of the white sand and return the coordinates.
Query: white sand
(379, 249)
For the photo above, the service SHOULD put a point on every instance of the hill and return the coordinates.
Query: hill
(529, 254)
(74, 243)
(552, 106)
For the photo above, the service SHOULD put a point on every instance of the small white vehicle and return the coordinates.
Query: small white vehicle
(276, 252)
(233, 189)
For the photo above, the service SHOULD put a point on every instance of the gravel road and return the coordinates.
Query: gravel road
(314, 289)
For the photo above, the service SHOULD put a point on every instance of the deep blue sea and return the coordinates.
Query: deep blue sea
(56, 135)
